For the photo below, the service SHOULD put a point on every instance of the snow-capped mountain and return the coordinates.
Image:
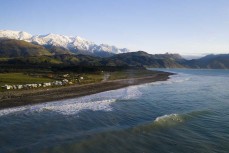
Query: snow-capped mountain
(19, 35)
(71, 43)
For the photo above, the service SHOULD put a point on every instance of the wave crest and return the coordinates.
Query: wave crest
(71, 109)
(96, 102)
(169, 118)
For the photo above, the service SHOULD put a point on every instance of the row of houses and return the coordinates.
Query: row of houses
(37, 85)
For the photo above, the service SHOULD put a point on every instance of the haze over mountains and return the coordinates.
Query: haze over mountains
(22, 49)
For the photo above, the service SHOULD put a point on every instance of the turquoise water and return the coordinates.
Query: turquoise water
(188, 113)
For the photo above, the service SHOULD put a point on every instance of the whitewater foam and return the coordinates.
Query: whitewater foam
(11, 110)
(101, 101)
(169, 118)
(71, 109)
(96, 102)
(132, 92)
(178, 78)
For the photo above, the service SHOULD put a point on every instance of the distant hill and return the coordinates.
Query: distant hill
(220, 61)
(142, 58)
(24, 52)
(55, 50)
(18, 52)
(19, 48)
(134, 59)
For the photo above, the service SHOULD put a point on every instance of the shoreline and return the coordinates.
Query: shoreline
(28, 97)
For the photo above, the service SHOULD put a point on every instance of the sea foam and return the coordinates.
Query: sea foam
(96, 102)
(71, 109)
(169, 118)
(178, 78)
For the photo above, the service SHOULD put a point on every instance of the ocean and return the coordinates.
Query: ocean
(187, 113)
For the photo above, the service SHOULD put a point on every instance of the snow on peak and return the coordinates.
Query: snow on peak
(113, 49)
(52, 39)
(80, 39)
(20, 35)
(62, 41)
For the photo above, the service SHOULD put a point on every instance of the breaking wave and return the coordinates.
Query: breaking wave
(132, 92)
(96, 102)
(169, 118)
(70, 109)
(178, 78)
(178, 118)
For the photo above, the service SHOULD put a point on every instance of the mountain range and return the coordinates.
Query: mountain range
(20, 49)
(76, 45)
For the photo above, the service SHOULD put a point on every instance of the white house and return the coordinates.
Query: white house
(19, 86)
(47, 84)
(8, 87)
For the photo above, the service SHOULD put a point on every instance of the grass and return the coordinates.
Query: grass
(20, 78)
(92, 78)
(2, 59)
(23, 78)
(130, 74)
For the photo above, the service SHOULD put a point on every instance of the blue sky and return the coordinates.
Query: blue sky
(188, 27)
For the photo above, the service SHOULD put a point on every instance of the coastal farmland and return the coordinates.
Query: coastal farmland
(15, 79)
(39, 79)
(20, 78)
(125, 74)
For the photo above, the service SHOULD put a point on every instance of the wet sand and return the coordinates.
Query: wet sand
(25, 97)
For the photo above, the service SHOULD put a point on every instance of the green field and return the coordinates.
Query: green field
(20, 78)
(98, 77)
(130, 74)
(24, 78)
(92, 78)
(2, 59)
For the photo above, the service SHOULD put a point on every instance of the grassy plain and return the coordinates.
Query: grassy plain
(125, 74)
(20, 78)
(41, 77)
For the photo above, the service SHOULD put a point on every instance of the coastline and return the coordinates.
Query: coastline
(28, 97)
